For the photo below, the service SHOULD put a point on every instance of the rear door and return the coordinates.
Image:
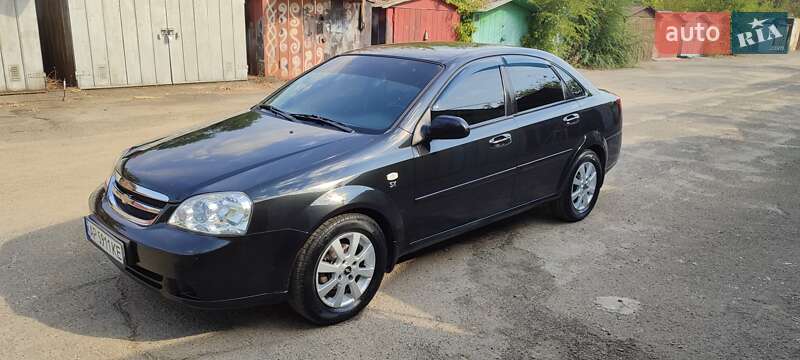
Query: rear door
(545, 115)
(460, 181)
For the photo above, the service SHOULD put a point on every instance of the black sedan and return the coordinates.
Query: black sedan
(313, 194)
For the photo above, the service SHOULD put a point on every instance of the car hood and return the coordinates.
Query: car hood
(182, 165)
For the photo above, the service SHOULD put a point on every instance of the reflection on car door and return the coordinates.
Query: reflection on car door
(463, 180)
(545, 115)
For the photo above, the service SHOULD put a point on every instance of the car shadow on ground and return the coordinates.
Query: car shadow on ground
(58, 278)
(55, 276)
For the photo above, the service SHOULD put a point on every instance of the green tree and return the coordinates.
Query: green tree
(791, 6)
(588, 33)
(466, 8)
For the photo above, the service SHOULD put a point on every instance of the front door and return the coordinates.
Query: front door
(464, 180)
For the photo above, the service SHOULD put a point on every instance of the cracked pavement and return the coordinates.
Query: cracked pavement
(691, 252)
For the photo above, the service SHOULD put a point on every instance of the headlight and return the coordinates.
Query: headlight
(225, 213)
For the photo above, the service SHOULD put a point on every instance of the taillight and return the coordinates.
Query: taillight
(619, 105)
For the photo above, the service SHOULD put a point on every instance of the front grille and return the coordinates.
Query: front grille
(137, 204)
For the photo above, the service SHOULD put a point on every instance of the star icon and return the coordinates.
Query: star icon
(757, 23)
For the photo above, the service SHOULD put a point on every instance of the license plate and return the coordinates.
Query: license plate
(108, 243)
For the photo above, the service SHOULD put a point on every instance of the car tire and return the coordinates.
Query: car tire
(569, 208)
(308, 291)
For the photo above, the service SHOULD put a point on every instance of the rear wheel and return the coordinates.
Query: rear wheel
(339, 269)
(580, 194)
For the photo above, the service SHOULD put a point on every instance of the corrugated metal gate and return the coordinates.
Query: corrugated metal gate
(148, 42)
(20, 50)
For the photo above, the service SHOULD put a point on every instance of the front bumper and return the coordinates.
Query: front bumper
(201, 270)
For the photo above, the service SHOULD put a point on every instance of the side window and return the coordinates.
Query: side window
(534, 83)
(574, 88)
(476, 94)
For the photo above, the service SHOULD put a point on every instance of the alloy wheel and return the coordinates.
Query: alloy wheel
(584, 185)
(345, 270)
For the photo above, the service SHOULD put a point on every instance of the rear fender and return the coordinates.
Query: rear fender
(591, 140)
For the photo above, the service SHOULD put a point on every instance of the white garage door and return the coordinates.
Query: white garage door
(20, 50)
(150, 42)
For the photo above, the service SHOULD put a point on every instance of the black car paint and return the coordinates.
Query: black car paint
(298, 175)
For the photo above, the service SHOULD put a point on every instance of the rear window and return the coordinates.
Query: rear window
(534, 83)
(574, 88)
(366, 93)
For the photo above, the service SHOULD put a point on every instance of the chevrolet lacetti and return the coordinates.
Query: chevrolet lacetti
(314, 193)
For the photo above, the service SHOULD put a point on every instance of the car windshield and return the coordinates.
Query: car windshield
(365, 93)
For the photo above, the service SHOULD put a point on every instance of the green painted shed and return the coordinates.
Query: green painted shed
(502, 22)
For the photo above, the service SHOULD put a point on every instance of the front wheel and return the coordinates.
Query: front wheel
(580, 194)
(339, 269)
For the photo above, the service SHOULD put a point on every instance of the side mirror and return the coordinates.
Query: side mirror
(446, 127)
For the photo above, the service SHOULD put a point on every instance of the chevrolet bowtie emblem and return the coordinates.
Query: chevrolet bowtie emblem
(125, 199)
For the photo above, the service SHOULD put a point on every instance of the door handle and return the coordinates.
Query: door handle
(500, 140)
(572, 119)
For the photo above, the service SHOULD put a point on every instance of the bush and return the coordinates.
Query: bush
(466, 8)
(792, 6)
(610, 42)
(587, 33)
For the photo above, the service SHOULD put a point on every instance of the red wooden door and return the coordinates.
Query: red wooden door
(412, 20)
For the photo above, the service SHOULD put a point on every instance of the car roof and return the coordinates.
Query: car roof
(453, 55)
(447, 53)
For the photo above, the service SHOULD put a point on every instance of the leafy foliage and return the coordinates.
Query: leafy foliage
(589, 33)
(792, 6)
(466, 8)
(610, 43)
(466, 28)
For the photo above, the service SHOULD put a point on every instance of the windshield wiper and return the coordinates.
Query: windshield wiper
(323, 120)
(278, 112)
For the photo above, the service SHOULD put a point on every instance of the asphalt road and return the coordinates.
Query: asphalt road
(693, 251)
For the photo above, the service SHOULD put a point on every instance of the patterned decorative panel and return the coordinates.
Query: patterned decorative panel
(299, 34)
(294, 42)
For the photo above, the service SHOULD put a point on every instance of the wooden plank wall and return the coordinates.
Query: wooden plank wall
(645, 28)
(411, 20)
(20, 53)
(54, 31)
(255, 36)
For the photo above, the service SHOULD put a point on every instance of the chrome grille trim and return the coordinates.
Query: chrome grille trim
(130, 186)
(127, 200)
(115, 196)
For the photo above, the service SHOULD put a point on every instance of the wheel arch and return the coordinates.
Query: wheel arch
(592, 141)
(366, 201)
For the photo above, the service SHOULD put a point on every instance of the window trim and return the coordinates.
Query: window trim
(553, 68)
(508, 114)
(558, 70)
